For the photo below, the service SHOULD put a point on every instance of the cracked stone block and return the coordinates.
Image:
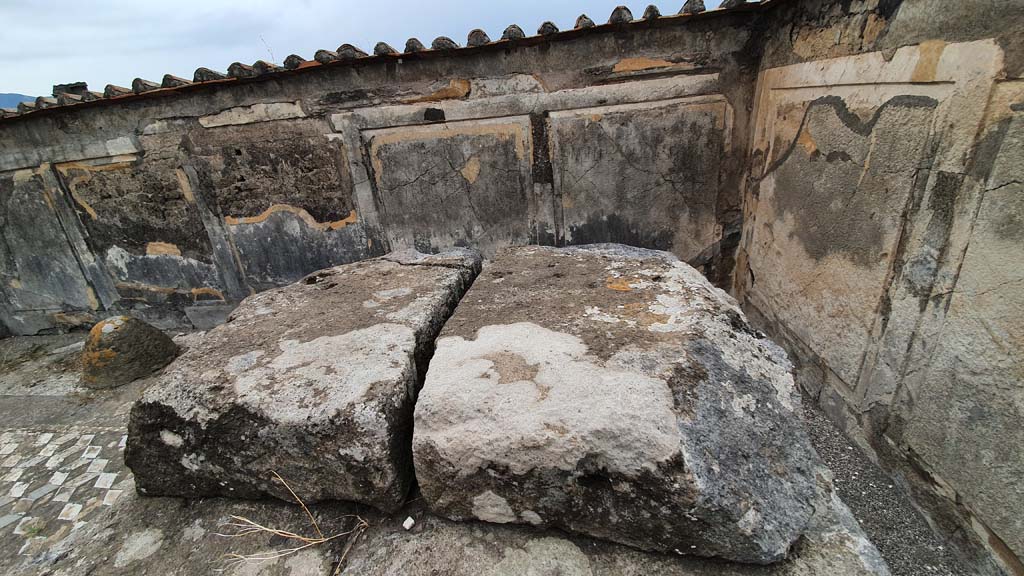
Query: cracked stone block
(614, 392)
(314, 381)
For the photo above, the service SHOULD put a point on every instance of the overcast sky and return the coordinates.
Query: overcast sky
(47, 42)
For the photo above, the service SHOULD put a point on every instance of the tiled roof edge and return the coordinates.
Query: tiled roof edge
(77, 95)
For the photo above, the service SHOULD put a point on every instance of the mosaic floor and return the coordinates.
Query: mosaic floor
(61, 449)
(54, 482)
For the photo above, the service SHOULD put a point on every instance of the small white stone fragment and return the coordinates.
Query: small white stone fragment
(70, 512)
(171, 439)
(409, 523)
(18, 490)
(111, 496)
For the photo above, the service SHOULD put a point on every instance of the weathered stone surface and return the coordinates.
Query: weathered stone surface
(454, 184)
(129, 534)
(965, 395)
(878, 241)
(42, 287)
(122, 349)
(315, 381)
(628, 178)
(283, 194)
(612, 391)
(162, 536)
(833, 545)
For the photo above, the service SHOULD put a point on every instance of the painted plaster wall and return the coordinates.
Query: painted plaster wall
(182, 203)
(882, 243)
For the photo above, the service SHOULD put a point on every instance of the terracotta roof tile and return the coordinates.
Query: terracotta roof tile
(443, 43)
(325, 56)
(293, 61)
(261, 67)
(78, 88)
(239, 70)
(113, 91)
(350, 52)
(620, 15)
(513, 32)
(584, 21)
(170, 81)
(207, 75)
(692, 7)
(383, 48)
(548, 28)
(67, 99)
(477, 37)
(139, 86)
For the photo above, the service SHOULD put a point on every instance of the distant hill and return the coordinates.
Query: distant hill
(11, 100)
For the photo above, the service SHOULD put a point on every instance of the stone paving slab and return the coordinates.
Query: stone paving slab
(314, 382)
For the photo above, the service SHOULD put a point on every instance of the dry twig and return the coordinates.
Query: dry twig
(245, 527)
